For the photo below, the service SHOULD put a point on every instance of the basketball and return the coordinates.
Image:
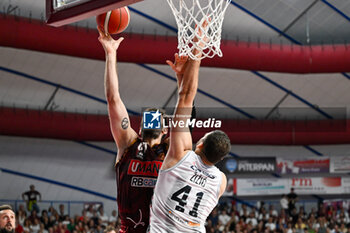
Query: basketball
(115, 21)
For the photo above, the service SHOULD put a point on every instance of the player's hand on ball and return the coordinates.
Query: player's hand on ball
(109, 44)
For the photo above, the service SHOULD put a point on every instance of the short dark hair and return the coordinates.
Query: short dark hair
(151, 133)
(5, 207)
(109, 228)
(216, 145)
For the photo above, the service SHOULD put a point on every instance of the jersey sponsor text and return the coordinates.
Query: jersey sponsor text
(143, 182)
(144, 168)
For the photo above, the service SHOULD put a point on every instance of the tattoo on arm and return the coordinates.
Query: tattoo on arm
(125, 123)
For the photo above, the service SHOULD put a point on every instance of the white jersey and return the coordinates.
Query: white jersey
(184, 196)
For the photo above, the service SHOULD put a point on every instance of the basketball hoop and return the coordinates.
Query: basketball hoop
(189, 16)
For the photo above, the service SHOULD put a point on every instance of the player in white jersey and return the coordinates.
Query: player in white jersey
(189, 185)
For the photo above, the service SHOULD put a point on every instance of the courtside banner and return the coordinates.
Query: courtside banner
(317, 185)
(340, 164)
(302, 166)
(345, 182)
(266, 165)
(252, 187)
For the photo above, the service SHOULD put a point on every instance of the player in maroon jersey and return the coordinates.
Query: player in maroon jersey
(139, 158)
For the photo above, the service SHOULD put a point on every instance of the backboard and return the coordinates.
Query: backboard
(62, 12)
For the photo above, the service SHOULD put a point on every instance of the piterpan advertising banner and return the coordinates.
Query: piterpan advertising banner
(266, 165)
(340, 164)
(308, 186)
(302, 166)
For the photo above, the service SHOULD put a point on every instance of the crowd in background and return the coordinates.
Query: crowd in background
(91, 220)
(225, 218)
(228, 219)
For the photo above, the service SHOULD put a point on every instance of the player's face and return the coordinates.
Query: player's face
(7, 221)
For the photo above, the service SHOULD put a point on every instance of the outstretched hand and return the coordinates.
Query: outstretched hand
(109, 44)
(179, 66)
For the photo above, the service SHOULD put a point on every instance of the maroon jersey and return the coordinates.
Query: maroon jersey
(136, 175)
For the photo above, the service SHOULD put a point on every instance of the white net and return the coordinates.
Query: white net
(190, 16)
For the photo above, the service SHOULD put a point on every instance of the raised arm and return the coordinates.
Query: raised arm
(187, 79)
(118, 116)
(180, 136)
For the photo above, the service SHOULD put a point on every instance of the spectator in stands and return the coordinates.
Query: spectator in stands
(102, 216)
(292, 200)
(46, 222)
(252, 219)
(260, 227)
(99, 229)
(281, 223)
(26, 226)
(290, 228)
(83, 216)
(35, 225)
(300, 225)
(113, 218)
(321, 212)
(243, 213)
(256, 213)
(19, 228)
(33, 216)
(110, 229)
(234, 210)
(7, 219)
(321, 226)
(42, 229)
(92, 225)
(62, 214)
(343, 229)
(214, 217)
(71, 224)
(310, 227)
(260, 205)
(51, 211)
(224, 218)
(95, 218)
(31, 197)
(343, 215)
(21, 215)
(284, 203)
(272, 211)
(64, 228)
(263, 215)
(249, 226)
(231, 225)
(330, 212)
(270, 224)
(90, 211)
(80, 226)
(293, 217)
(241, 224)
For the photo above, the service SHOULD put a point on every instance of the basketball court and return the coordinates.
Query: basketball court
(281, 85)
